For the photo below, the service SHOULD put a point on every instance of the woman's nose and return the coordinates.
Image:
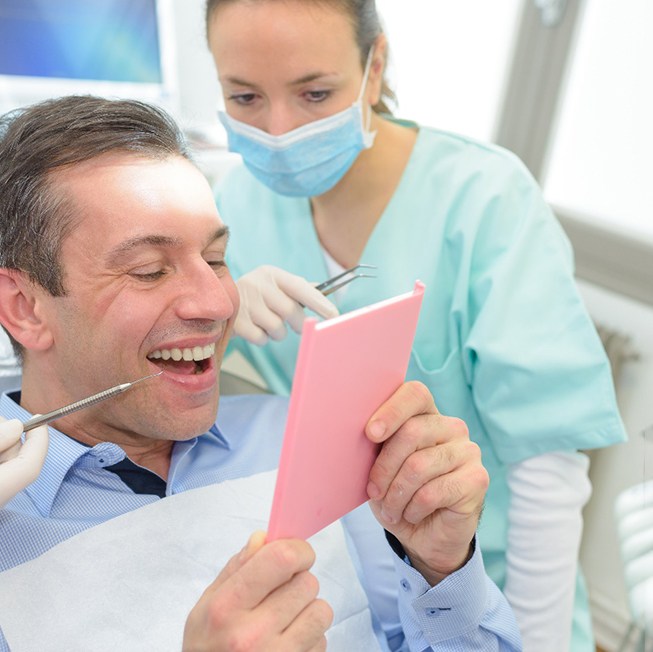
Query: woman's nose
(280, 120)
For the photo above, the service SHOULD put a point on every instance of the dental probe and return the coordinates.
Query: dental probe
(41, 419)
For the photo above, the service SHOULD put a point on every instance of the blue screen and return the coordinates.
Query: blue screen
(104, 40)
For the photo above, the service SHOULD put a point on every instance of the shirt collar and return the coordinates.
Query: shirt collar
(64, 452)
(214, 431)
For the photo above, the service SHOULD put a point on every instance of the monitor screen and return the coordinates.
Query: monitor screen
(107, 47)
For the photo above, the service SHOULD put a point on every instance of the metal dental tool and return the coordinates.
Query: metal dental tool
(84, 403)
(351, 274)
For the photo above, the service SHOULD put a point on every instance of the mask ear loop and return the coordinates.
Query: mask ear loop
(366, 74)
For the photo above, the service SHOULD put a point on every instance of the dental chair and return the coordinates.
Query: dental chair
(634, 516)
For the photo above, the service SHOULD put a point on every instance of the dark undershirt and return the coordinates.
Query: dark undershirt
(138, 479)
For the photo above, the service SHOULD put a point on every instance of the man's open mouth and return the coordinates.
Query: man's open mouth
(188, 361)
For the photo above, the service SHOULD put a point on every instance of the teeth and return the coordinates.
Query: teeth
(197, 353)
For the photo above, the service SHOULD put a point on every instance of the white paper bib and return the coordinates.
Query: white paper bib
(129, 584)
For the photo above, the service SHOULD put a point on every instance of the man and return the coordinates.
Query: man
(112, 268)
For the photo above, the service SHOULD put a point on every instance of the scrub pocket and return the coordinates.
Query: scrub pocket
(447, 383)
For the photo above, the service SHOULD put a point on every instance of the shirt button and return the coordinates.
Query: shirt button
(101, 460)
(405, 584)
(432, 613)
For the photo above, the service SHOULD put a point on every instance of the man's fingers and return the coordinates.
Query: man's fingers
(411, 399)
(251, 575)
(460, 492)
(253, 545)
(426, 432)
(310, 627)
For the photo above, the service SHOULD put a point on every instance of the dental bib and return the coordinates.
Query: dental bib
(129, 584)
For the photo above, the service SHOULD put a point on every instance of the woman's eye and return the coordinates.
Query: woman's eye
(243, 99)
(317, 96)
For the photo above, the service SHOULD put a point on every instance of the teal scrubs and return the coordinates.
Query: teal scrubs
(503, 341)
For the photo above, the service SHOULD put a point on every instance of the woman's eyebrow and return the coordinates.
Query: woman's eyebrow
(304, 79)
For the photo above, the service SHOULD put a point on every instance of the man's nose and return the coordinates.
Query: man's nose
(205, 295)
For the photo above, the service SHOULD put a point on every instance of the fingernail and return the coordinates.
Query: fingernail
(373, 491)
(388, 518)
(255, 542)
(377, 430)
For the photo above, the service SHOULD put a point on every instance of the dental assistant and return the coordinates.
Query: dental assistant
(504, 342)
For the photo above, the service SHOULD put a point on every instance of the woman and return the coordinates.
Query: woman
(331, 180)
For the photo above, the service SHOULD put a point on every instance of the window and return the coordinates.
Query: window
(449, 60)
(599, 165)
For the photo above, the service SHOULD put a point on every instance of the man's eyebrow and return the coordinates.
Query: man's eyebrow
(117, 255)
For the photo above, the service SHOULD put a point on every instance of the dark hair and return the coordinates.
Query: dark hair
(367, 26)
(36, 141)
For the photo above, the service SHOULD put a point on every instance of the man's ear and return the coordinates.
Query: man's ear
(20, 310)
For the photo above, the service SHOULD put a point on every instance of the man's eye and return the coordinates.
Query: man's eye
(148, 276)
(217, 265)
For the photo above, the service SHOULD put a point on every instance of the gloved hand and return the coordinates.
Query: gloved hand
(20, 464)
(270, 297)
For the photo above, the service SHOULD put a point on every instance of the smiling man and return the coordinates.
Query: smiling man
(112, 268)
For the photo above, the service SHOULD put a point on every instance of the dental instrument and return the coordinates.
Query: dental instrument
(331, 285)
(41, 419)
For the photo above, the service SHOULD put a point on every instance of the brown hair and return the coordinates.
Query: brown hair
(367, 26)
(36, 141)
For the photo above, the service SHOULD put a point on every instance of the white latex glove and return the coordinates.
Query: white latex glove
(270, 297)
(20, 464)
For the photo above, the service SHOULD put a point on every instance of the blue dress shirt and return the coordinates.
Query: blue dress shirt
(76, 491)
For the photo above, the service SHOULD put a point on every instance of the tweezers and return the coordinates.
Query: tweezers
(41, 419)
(349, 275)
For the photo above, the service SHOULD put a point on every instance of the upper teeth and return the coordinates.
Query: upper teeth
(197, 353)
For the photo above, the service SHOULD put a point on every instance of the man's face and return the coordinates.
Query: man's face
(146, 283)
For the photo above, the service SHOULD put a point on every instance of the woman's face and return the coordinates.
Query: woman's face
(284, 64)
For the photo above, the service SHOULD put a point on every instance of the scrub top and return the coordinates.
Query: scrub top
(503, 340)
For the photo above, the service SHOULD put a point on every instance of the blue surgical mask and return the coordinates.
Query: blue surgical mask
(306, 161)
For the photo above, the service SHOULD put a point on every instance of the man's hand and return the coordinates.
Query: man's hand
(270, 298)
(264, 599)
(20, 464)
(428, 484)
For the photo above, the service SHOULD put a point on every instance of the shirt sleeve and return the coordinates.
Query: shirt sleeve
(466, 611)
